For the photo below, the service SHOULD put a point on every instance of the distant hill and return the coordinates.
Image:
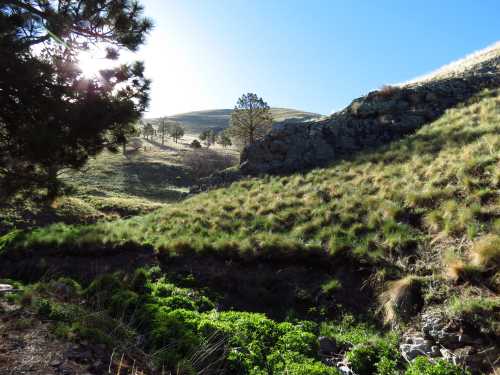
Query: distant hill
(196, 122)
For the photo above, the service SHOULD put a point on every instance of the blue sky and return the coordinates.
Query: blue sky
(314, 55)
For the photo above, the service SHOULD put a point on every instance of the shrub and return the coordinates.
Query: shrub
(423, 366)
(363, 358)
(331, 286)
(387, 91)
(380, 356)
(204, 162)
(195, 144)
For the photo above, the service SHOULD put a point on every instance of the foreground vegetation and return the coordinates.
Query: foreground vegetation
(181, 328)
(420, 214)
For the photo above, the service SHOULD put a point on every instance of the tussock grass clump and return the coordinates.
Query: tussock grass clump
(387, 91)
(458, 270)
(401, 298)
(485, 252)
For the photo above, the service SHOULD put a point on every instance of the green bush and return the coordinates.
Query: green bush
(331, 286)
(423, 366)
(375, 356)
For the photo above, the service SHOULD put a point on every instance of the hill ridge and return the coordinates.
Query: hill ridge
(197, 121)
(377, 118)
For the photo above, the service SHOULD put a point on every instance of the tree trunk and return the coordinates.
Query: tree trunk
(52, 184)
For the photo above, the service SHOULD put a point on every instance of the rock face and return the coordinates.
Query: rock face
(375, 119)
(441, 338)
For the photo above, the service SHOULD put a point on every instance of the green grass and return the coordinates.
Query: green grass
(141, 176)
(396, 211)
(388, 202)
(110, 186)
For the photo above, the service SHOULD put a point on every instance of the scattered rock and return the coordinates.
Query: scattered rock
(440, 337)
(413, 346)
(344, 368)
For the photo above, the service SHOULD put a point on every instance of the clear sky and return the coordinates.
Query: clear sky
(311, 55)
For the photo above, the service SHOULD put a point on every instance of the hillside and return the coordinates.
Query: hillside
(196, 122)
(376, 119)
(411, 228)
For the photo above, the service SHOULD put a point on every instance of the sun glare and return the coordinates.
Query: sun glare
(92, 62)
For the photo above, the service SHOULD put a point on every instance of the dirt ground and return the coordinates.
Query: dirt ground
(28, 346)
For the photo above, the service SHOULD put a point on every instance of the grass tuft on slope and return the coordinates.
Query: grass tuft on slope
(440, 184)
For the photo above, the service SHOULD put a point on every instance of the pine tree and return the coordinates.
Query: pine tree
(224, 140)
(251, 119)
(176, 131)
(53, 117)
(208, 137)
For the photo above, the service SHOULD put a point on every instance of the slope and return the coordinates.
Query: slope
(378, 118)
(198, 121)
(416, 222)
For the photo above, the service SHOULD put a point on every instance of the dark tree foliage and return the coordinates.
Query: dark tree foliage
(195, 144)
(224, 139)
(148, 131)
(208, 137)
(251, 119)
(53, 117)
(176, 131)
(163, 128)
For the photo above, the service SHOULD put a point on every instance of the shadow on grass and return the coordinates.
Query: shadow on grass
(155, 180)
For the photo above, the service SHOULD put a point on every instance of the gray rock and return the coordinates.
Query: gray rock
(414, 346)
(345, 370)
(375, 119)
(4, 288)
(56, 363)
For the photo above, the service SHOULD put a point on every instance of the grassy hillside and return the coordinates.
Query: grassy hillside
(110, 186)
(413, 226)
(196, 122)
(440, 183)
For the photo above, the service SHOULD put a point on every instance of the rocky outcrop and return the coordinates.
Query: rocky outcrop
(440, 337)
(375, 119)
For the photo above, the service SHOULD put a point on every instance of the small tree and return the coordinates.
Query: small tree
(251, 119)
(148, 131)
(195, 144)
(224, 140)
(208, 137)
(163, 128)
(176, 131)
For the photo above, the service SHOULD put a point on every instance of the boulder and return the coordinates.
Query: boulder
(4, 288)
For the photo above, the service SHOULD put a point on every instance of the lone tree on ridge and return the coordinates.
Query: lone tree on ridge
(251, 119)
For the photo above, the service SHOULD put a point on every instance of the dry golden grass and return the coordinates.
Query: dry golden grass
(485, 252)
(399, 298)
